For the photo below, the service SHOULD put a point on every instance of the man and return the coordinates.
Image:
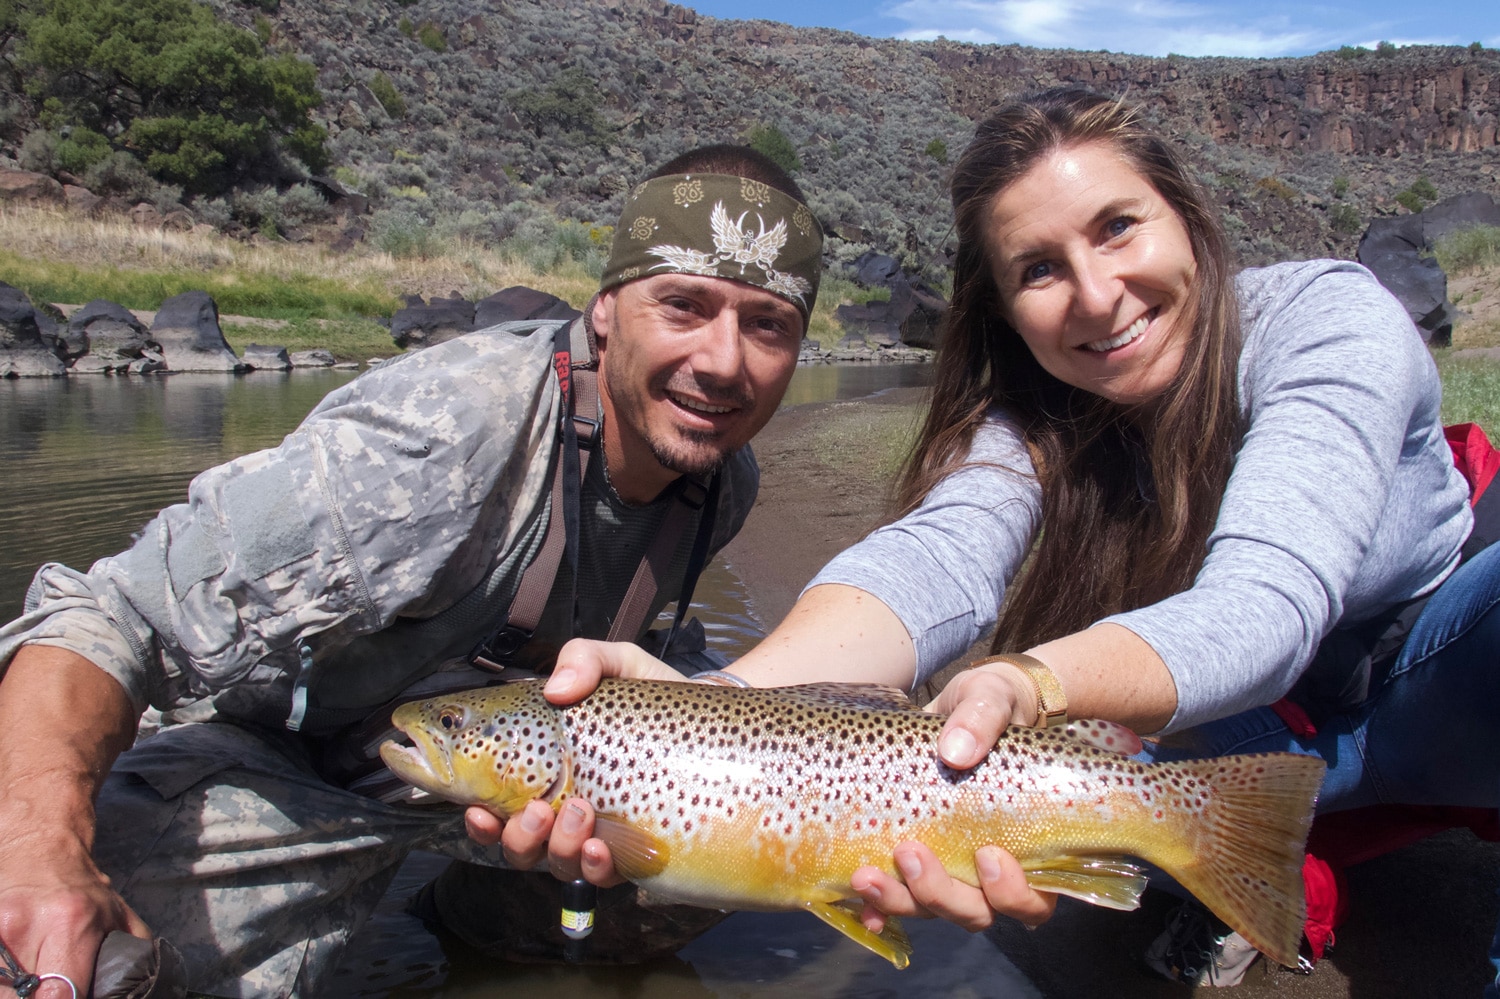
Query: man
(383, 543)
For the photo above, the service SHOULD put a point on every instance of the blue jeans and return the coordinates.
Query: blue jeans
(1428, 735)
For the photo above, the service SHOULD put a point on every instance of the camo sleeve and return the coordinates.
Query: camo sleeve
(392, 498)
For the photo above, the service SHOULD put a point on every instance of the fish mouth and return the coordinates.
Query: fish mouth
(423, 763)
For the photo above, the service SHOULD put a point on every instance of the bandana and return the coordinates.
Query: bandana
(719, 226)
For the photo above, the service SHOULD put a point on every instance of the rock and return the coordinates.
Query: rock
(517, 303)
(422, 324)
(145, 215)
(258, 357)
(81, 199)
(877, 270)
(23, 185)
(24, 351)
(149, 363)
(874, 324)
(111, 334)
(178, 220)
(1458, 212)
(925, 310)
(315, 358)
(187, 328)
(1391, 249)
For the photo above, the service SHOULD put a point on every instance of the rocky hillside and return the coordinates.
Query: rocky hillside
(486, 114)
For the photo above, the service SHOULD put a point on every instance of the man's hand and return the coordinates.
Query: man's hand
(62, 722)
(566, 839)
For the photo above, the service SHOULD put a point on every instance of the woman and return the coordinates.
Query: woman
(1238, 488)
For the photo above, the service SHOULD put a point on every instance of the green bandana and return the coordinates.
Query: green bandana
(719, 226)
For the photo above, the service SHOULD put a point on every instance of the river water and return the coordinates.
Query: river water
(86, 461)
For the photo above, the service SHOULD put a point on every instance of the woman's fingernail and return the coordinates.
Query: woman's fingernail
(572, 819)
(956, 746)
(531, 821)
(988, 862)
(560, 680)
(870, 893)
(911, 867)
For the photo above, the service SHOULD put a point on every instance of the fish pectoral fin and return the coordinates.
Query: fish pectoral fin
(637, 853)
(890, 943)
(1107, 881)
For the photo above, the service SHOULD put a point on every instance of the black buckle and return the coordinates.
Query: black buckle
(693, 494)
(587, 431)
(502, 646)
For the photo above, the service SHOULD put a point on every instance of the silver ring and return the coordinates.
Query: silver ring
(61, 978)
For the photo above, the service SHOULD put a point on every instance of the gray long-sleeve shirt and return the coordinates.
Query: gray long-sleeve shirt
(1343, 502)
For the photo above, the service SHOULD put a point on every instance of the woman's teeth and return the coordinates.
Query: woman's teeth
(1134, 330)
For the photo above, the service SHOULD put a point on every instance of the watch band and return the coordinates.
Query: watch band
(1051, 702)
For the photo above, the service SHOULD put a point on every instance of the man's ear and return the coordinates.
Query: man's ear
(604, 316)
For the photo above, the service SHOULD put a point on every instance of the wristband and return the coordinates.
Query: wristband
(1051, 702)
(719, 677)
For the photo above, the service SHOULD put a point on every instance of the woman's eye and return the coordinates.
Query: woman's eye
(1120, 226)
(1036, 272)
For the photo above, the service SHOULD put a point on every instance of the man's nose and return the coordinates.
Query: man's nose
(720, 351)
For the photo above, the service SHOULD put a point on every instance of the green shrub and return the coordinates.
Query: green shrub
(1345, 219)
(1422, 188)
(1476, 47)
(1276, 187)
(771, 142)
(406, 27)
(432, 36)
(1385, 48)
(389, 97)
(1410, 200)
(403, 232)
(1351, 51)
(1469, 248)
(1340, 186)
(938, 150)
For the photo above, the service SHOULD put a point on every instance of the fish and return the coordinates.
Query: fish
(768, 799)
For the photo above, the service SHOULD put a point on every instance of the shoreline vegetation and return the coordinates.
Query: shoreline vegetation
(299, 294)
(303, 294)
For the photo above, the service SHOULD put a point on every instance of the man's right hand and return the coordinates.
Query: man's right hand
(62, 723)
(56, 908)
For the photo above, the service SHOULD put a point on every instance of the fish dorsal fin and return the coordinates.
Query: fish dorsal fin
(849, 695)
(637, 853)
(1103, 734)
(890, 943)
(1110, 882)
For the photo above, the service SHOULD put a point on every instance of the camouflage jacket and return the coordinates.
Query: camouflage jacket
(385, 535)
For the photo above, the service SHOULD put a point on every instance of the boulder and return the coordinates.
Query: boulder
(187, 329)
(23, 185)
(24, 351)
(517, 303)
(1458, 212)
(1392, 249)
(111, 334)
(315, 358)
(422, 324)
(81, 199)
(877, 270)
(258, 357)
(924, 310)
(145, 215)
(874, 325)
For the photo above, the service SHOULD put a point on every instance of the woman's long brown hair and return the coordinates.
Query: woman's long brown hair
(1128, 497)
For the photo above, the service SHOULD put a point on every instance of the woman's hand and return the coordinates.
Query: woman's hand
(566, 838)
(927, 890)
(980, 703)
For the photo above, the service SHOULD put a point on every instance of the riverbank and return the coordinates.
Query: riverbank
(1422, 916)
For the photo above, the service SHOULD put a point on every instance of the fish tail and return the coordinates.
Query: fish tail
(1244, 859)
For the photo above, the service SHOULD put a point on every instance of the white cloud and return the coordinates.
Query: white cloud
(1136, 26)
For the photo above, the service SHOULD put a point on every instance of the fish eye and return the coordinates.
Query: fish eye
(451, 719)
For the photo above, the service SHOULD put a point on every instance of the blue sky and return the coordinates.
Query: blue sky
(1146, 27)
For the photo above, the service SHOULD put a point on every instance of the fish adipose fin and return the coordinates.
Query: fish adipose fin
(890, 943)
(1245, 859)
(1108, 881)
(637, 854)
(1108, 735)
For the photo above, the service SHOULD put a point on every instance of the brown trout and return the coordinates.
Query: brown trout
(769, 799)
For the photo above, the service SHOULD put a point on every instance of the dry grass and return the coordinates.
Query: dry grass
(1477, 295)
(72, 248)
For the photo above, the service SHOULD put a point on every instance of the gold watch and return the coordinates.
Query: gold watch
(1051, 702)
